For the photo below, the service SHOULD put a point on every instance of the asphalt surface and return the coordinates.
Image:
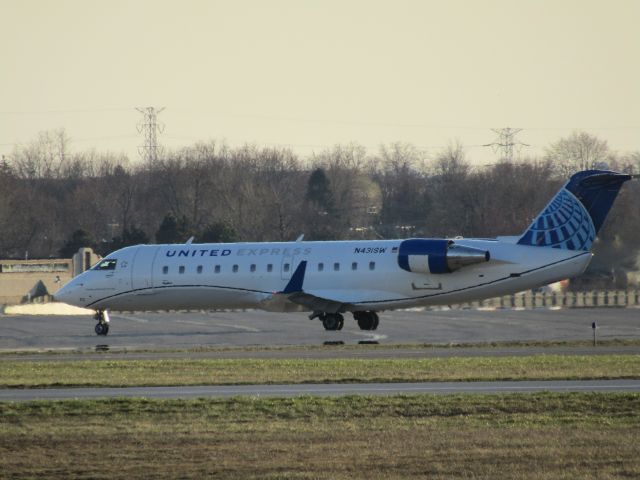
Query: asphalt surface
(235, 334)
(153, 331)
(325, 390)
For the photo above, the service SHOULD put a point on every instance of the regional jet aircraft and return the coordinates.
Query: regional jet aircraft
(329, 279)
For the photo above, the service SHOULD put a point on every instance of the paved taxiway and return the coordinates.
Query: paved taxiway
(142, 330)
(132, 333)
(327, 390)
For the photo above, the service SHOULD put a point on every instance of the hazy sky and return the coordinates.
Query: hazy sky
(312, 74)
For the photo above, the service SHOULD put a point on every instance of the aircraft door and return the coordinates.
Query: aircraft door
(142, 269)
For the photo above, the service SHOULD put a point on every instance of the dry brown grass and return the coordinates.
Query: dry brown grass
(545, 436)
(30, 374)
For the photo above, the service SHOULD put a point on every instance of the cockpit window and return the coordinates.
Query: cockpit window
(108, 264)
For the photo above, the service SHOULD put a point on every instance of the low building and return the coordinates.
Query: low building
(35, 280)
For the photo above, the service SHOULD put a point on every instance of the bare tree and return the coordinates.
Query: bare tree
(45, 157)
(401, 176)
(579, 151)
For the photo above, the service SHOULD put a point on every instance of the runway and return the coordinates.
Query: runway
(325, 390)
(166, 331)
(256, 334)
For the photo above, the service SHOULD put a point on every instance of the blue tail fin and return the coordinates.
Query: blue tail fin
(574, 216)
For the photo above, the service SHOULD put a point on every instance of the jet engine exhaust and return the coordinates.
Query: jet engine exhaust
(458, 256)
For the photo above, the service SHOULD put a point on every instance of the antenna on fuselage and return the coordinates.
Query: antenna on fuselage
(300, 238)
(190, 241)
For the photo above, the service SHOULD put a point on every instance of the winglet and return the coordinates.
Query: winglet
(295, 284)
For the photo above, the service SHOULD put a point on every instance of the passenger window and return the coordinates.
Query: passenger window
(354, 266)
(270, 267)
(320, 267)
(165, 270)
(199, 268)
(181, 269)
(286, 267)
(253, 267)
(372, 265)
(235, 269)
(217, 269)
(109, 264)
(336, 267)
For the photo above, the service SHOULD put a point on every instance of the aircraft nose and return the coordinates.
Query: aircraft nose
(66, 294)
(61, 295)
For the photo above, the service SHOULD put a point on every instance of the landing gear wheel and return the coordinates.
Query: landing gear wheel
(364, 323)
(367, 320)
(332, 321)
(102, 328)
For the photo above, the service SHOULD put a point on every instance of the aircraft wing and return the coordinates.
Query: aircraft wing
(316, 303)
(302, 301)
(293, 297)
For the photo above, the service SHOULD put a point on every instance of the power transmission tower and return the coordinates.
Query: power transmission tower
(150, 127)
(505, 142)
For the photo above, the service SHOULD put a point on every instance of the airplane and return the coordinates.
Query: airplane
(364, 277)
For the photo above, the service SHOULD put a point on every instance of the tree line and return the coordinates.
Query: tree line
(53, 200)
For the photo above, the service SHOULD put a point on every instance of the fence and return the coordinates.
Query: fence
(590, 299)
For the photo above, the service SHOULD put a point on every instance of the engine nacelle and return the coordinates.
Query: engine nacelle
(425, 255)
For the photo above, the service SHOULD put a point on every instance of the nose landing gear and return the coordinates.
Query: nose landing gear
(102, 327)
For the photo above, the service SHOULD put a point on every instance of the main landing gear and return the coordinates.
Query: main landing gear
(332, 321)
(367, 320)
(335, 321)
(102, 327)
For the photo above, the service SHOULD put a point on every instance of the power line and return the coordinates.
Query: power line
(335, 121)
(150, 128)
(65, 111)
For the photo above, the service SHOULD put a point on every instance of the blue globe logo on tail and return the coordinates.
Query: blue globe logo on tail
(564, 223)
(574, 216)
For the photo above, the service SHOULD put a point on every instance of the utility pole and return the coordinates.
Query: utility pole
(505, 142)
(149, 127)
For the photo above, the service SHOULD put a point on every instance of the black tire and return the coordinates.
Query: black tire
(341, 321)
(376, 321)
(367, 320)
(101, 328)
(106, 329)
(365, 323)
(331, 321)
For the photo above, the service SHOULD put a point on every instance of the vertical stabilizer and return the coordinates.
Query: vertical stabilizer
(574, 216)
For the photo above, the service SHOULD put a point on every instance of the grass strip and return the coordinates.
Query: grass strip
(181, 372)
(542, 436)
(612, 342)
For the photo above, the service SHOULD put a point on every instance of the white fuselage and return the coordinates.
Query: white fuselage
(364, 275)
